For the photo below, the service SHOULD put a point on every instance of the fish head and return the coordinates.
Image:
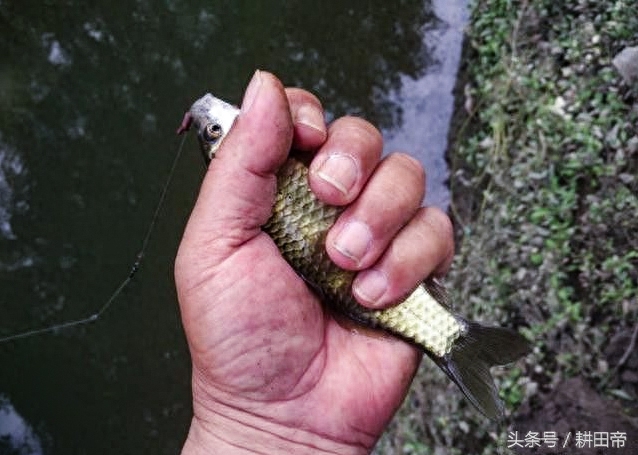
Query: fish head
(212, 119)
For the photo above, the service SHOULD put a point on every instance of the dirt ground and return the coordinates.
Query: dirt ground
(575, 406)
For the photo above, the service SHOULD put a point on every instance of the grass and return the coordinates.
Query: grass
(544, 187)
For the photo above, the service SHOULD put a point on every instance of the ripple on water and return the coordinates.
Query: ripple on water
(16, 435)
(11, 166)
(13, 201)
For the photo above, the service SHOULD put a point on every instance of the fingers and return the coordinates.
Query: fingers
(310, 130)
(388, 201)
(422, 248)
(346, 160)
(384, 232)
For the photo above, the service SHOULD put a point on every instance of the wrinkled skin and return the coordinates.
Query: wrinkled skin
(272, 371)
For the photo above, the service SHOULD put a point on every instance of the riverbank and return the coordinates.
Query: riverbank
(544, 181)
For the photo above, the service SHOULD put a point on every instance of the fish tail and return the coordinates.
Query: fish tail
(473, 354)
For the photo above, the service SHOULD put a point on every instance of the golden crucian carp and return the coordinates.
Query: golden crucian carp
(464, 350)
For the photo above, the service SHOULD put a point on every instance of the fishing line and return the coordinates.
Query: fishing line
(118, 290)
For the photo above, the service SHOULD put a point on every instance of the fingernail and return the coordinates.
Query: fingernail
(251, 92)
(312, 117)
(354, 240)
(340, 171)
(370, 285)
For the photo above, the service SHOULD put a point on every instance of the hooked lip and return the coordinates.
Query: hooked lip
(186, 123)
(208, 109)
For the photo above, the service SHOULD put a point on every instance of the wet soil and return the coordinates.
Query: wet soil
(574, 408)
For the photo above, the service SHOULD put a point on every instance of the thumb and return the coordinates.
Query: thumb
(238, 190)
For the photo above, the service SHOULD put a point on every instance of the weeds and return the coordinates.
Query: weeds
(549, 160)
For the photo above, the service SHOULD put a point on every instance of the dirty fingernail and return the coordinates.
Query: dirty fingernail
(370, 285)
(340, 171)
(251, 91)
(354, 240)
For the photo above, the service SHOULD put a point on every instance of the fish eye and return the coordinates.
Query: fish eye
(212, 132)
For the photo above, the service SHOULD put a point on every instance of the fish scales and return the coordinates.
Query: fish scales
(299, 223)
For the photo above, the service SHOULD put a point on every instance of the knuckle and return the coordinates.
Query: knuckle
(442, 221)
(415, 167)
(399, 253)
(299, 96)
(439, 223)
(358, 129)
(410, 167)
(400, 180)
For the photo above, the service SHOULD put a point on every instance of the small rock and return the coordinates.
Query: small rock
(626, 62)
(487, 143)
(531, 389)
(626, 178)
(558, 107)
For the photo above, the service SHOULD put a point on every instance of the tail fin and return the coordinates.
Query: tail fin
(471, 357)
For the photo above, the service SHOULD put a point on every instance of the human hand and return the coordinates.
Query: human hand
(272, 371)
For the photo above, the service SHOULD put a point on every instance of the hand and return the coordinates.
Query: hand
(273, 372)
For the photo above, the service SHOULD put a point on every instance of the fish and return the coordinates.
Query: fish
(463, 349)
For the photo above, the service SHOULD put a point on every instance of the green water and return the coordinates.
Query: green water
(90, 96)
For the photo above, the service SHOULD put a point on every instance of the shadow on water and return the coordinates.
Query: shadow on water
(90, 93)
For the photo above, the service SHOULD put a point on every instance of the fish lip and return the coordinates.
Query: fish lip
(186, 123)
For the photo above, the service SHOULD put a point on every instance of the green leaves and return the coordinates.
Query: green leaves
(550, 155)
